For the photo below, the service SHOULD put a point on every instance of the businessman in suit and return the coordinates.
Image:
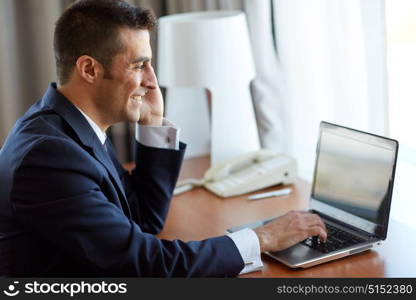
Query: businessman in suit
(68, 208)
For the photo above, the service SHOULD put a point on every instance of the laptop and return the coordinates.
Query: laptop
(351, 191)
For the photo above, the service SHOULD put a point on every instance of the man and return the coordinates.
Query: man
(68, 208)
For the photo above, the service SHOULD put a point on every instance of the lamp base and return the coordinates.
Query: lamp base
(233, 123)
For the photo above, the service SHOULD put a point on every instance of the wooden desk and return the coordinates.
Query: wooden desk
(199, 214)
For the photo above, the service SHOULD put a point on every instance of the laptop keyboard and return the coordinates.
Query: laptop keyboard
(337, 239)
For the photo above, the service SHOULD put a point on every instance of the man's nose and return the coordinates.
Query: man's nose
(149, 81)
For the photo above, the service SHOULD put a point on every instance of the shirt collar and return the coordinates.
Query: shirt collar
(100, 134)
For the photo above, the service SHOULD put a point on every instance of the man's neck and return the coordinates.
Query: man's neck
(84, 103)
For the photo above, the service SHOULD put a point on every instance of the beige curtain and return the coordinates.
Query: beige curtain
(26, 55)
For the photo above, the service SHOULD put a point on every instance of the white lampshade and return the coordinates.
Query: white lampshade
(212, 50)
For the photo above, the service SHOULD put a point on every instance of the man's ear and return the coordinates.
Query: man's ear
(88, 68)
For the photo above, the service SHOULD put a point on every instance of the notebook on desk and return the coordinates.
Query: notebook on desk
(351, 191)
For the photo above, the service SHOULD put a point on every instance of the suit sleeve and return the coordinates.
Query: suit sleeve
(56, 195)
(150, 187)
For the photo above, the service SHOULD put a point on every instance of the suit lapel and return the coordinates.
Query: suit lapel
(87, 136)
(105, 159)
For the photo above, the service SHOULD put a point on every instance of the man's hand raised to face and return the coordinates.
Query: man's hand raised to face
(151, 112)
(289, 230)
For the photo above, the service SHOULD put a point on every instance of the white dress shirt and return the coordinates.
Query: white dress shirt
(167, 137)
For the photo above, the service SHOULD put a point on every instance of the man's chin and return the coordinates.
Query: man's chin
(133, 118)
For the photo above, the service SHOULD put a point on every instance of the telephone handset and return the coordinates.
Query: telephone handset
(246, 173)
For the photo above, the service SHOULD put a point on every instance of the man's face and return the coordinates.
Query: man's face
(119, 94)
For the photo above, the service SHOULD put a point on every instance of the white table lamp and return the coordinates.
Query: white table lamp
(212, 50)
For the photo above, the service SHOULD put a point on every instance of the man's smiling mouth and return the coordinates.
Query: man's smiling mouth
(137, 99)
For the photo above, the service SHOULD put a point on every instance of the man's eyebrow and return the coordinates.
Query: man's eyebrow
(140, 59)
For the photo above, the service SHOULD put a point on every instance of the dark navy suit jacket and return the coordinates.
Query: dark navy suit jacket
(70, 209)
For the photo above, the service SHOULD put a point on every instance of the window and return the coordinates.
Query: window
(401, 63)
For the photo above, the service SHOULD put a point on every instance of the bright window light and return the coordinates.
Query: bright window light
(401, 63)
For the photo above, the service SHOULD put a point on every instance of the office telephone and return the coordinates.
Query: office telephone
(244, 174)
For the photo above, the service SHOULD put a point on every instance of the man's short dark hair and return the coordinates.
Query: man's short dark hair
(91, 27)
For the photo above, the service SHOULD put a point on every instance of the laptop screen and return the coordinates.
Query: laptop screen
(354, 175)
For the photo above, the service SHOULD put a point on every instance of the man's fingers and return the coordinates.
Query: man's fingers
(319, 231)
(315, 220)
(319, 221)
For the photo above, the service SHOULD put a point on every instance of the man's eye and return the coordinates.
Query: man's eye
(141, 67)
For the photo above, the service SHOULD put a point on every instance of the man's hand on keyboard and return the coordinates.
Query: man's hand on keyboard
(289, 230)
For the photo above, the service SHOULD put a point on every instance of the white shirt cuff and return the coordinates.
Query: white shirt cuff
(165, 136)
(248, 245)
